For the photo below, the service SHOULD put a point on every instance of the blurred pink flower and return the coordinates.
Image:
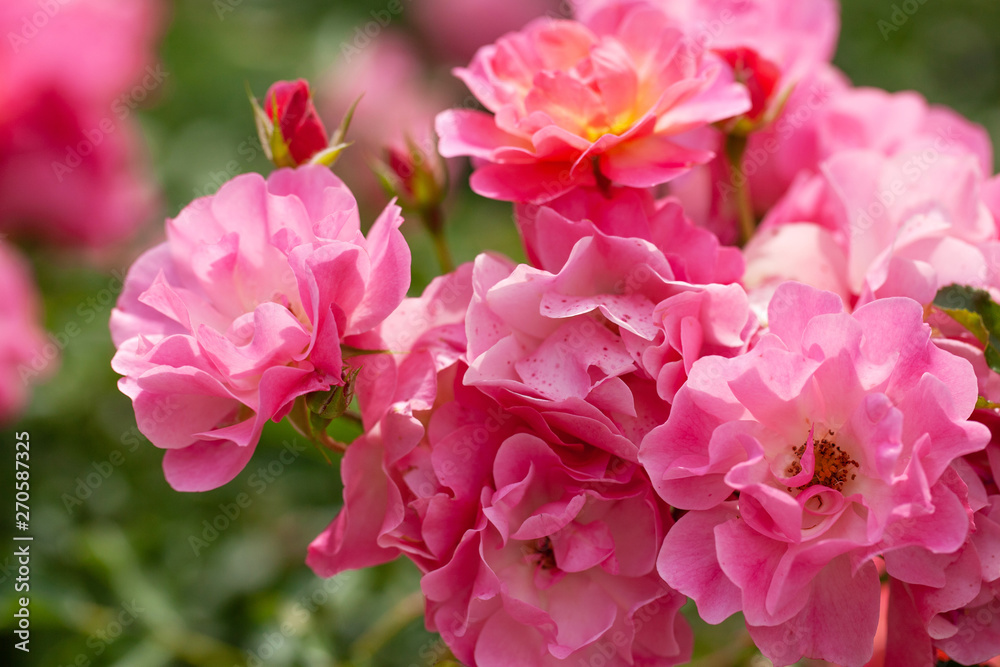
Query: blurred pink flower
(24, 350)
(70, 79)
(826, 117)
(592, 103)
(244, 308)
(827, 444)
(455, 29)
(398, 101)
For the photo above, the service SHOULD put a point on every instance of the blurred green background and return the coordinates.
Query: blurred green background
(126, 572)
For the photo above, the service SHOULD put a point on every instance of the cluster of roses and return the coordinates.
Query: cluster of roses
(798, 429)
(72, 168)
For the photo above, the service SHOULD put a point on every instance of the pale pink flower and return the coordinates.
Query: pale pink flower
(952, 601)
(70, 79)
(829, 443)
(825, 116)
(606, 101)
(877, 226)
(244, 308)
(25, 354)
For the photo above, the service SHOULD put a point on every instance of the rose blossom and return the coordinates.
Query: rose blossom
(601, 344)
(828, 443)
(587, 104)
(952, 601)
(391, 504)
(793, 35)
(559, 566)
(876, 226)
(695, 255)
(244, 308)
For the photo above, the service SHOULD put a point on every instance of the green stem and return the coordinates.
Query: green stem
(433, 219)
(735, 147)
(404, 612)
(301, 419)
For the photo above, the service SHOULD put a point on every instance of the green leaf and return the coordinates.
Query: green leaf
(975, 310)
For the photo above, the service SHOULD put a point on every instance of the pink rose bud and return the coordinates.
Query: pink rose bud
(296, 133)
(759, 75)
(418, 179)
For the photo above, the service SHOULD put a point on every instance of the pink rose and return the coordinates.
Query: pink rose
(877, 226)
(827, 444)
(594, 103)
(23, 348)
(695, 255)
(951, 601)
(244, 308)
(795, 36)
(563, 531)
(601, 345)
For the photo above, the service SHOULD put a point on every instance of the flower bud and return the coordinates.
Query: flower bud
(761, 78)
(289, 126)
(419, 180)
(334, 402)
